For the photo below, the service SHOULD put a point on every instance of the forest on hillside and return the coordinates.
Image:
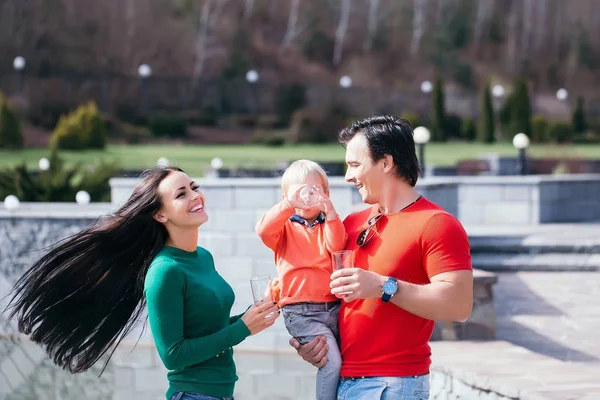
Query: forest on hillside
(379, 43)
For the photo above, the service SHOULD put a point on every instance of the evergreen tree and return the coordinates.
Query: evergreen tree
(439, 112)
(578, 117)
(521, 110)
(487, 121)
(11, 136)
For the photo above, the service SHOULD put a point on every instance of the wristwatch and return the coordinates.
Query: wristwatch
(390, 287)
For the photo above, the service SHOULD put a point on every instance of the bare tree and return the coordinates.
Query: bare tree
(292, 30)
(340, 33)
(481, 17)
(540, 25)
(443, 6)
(559, 20)
(201, 40)
(248, 9)
(207, 19)
(130, 23)
(69, 7)
(513, 59)
(373, 23)
(8, 21)
(527, 27)
(419, 12)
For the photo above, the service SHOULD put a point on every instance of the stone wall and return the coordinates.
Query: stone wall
(481, 200)
(259, 194)
(493, 370)
(265, 373)
(528, 200)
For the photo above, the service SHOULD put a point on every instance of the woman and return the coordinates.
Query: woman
(86, 294)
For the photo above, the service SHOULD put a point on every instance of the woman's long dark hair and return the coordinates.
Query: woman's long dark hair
(80, 299)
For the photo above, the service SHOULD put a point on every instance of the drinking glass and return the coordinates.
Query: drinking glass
(261, 290)
(342, 259)
(309, 195)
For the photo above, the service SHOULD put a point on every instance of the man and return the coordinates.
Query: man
(412, 267)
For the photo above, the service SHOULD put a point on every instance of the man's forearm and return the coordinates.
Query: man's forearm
(435, 301)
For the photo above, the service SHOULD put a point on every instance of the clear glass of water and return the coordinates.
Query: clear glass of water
(342, 259)
(309, 195)
(261, 290)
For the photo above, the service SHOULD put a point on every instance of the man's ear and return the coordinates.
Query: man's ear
(388, 163)
(160, 218)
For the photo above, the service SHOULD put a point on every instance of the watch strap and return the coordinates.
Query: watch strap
(386, 296)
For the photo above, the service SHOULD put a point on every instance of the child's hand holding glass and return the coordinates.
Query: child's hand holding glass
(303, 197)
(326, 205)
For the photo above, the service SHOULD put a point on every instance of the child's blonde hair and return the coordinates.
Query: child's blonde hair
(298, 172)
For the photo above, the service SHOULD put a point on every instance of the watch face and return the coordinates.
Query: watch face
(389, 287)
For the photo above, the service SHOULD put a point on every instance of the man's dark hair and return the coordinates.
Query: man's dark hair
(387, 135)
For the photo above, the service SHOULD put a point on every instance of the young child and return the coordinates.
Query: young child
(303, 239)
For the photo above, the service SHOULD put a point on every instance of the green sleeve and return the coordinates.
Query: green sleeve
(164, 287)
(235, 318)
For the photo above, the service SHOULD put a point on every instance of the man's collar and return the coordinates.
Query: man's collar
(319, 220)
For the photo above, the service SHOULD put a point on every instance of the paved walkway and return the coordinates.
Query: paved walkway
(497, 370)
(552, 313)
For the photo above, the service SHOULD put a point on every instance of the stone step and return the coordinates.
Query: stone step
(536, 239)
(536, 262)
(519, 245)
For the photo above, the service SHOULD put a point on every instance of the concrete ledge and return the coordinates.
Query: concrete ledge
(535, 239)
(481, 324)
(481, 200)
(499, 370)
(537, 262)
(57, 210)
(514, 179)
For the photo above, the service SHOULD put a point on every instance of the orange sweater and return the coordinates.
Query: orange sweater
(302, 254)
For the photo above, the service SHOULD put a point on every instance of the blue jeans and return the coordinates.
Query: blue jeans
(196, 396)
(305, 321)
(384, 388)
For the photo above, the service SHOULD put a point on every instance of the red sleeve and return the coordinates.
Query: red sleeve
(445, 245)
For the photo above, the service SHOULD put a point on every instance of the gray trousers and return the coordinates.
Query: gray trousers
(305, 321)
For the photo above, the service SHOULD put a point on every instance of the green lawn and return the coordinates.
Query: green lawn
(196, 158)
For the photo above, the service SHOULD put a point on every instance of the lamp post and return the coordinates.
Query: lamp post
(82, 197)
(498, 94)
(521, 143)
(144, 72)
(498, 91)
(252, 79)
(426, 87)
(562, 94)
(345, 82)
(216, 163)
(44, 164)
(11, 203)
(421, 136)
(19, 66)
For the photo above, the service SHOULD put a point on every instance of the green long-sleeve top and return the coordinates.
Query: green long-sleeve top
(189, 305)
